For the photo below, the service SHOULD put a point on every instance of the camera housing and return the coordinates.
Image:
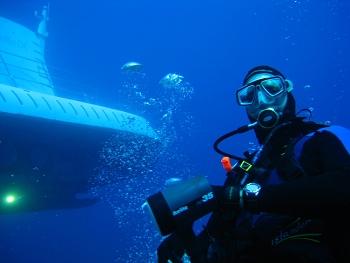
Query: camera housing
(176, 208)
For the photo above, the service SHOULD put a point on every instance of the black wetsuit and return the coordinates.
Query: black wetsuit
(322, 197)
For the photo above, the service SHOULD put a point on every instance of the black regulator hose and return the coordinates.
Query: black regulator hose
(267, 118)
(242, 129)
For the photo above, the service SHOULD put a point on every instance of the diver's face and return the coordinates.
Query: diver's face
(262, 99)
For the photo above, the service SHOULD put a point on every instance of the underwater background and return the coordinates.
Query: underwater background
(212, 45)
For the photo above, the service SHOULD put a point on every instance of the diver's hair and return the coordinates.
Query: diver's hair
(262, 69)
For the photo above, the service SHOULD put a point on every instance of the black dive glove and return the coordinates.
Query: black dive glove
(229, 200)
(171, 248)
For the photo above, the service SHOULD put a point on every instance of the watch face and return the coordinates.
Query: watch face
(252, 188)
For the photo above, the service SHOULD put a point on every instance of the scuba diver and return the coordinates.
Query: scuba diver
(287, 202)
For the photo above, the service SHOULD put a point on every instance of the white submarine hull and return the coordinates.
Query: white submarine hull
(21, 104)
(50, 145)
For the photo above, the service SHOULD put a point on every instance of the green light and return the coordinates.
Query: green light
(10, 199)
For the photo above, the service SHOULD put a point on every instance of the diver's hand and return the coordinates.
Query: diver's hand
(172, 248)
(229, 199)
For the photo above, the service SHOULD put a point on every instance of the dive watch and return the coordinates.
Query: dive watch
(250, 197)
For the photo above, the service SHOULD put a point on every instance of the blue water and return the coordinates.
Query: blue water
(212, 44)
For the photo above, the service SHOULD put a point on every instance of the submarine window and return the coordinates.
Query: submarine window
(61, 106)
(48, 105)
(36, 105)
(115, 117)
(95, 112)
(2, 96)
(14, 93)
(106, 115)
(84, 110)
(76, 113)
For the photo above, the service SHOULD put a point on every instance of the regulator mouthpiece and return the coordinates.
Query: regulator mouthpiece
(268, 118)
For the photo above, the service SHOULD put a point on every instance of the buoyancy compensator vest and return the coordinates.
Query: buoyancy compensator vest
(285, 236)
(275, 162)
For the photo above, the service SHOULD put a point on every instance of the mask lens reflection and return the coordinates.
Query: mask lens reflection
(246, 95)
(270, 86)
(273, 86)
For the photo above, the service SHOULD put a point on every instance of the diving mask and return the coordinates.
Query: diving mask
(270, 86)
